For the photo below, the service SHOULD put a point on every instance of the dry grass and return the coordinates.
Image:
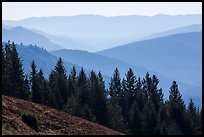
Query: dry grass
(50, 121)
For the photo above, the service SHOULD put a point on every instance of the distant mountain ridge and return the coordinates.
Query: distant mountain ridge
(106, 32)
(161, 54)
(185, 29)
(65, 41)
(93, 61)
(176, 57)
(28, 37)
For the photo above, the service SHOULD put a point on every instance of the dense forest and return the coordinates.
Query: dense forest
(132, 105)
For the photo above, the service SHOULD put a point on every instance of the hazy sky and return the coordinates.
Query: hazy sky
(21, 10)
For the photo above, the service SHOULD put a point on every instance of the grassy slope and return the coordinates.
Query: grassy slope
(50, 121)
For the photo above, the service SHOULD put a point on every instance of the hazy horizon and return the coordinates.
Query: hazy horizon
(23, 10)
(102, 16)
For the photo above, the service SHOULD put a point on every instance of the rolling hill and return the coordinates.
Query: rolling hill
(93, 61)
(27, 37)
(49, 121)
(185, 29)
(66, 42)
(176, 57)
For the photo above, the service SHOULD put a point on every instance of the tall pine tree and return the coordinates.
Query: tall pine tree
(60, 88)
(114, 104)
(36, 97)
(14, 79)
(177, 110)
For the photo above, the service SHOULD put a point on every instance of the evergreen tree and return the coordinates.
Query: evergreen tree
(176, 103)
(60, 88)
(98, 91)
(36, 97)
(139, 94)
(115, 117)
(73, 103)
(3, 70)
(18, 80)
(114, 109)
(83, 86)
(72, 81)
(149, 116)
(136, 109)
(73, 107)
(94, 95)
(7, 85)
(26, 96)
(73, 74)
(177, 110)
(128, 93)
(200, 122)
(194, 118)
(86, 113)
(41, 83)
(163, 119)
(154, 96)
(84, 96)
(151, 91)
(14, 79)
(52, 95)
(134, 119)
(115, 88)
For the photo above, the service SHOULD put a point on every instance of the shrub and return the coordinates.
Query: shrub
(30, 120)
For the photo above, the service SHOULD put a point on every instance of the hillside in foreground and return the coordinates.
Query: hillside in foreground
(49, 121)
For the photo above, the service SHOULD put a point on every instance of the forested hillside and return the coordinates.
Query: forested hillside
(133, 105)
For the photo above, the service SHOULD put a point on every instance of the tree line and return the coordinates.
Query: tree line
(132, 105)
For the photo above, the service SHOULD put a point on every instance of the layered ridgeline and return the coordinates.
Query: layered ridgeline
(55, 42)
(27, 37)
(177, 57)
(173, 60)
(106, 32)
(185, 29)
(49, 42)
(94, 61)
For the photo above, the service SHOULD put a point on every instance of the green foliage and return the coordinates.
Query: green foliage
(115, 87)
(61, 83)
(58, 85)
(3, 70)
(149, 119)
(176, 103)
(13, 75)
(73, 106)
(194, 117)
(98, 97)
(38, 85)
(115, 117)
(86, 113)
(30, 120)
